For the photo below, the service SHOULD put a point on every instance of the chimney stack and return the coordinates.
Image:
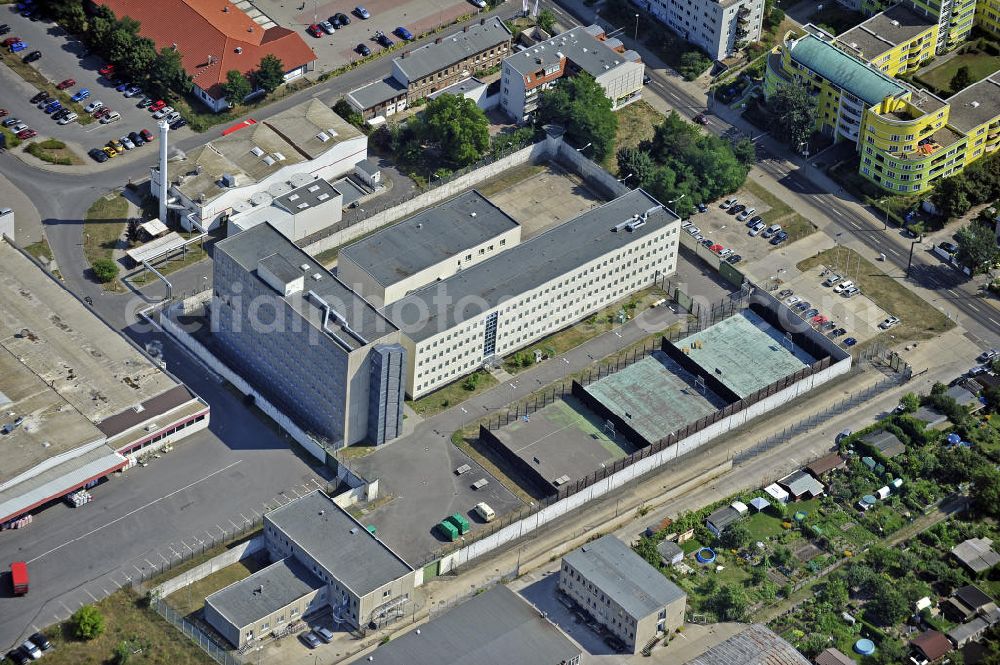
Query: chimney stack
(164, 185)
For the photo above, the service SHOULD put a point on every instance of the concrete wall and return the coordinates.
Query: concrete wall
(593, 172)
(198, 350)
(431, 197)
(215, 564)
(641, 467)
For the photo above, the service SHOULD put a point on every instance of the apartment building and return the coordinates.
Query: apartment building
(431, 245)
(317, 350)
(582, 49)
(907, 138)
(718, 27)
(897, 41)
(324, 560)
(954, 18)
(425, 70)
(505, 303)
(625, 594)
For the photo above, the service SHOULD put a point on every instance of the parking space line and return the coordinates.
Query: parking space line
(165, 559)
(92, 596)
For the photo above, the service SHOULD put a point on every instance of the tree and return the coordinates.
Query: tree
(977, 248)
(581, 107)
(455, 126)
(237, 86)
(951, 197)
(546, 20)
(961, 80)
(730, 603)
(745, 152)
(87, 623)
(736, 537)
(138, 61)
(693, 64)
(105, 270)
(167, 72)
(910, 402)
(794, 112)
(347, 112)
(74, 18)
(834, 593)
(638, 163)
(986, 490)
(270, 73)
(887, 606)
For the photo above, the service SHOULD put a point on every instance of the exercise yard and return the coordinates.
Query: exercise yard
(745, 352)
(563, 439)
(655, 396)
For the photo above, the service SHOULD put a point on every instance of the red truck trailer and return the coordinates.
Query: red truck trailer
(19, 577)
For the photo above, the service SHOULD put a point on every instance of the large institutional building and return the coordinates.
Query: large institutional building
(718, 27)
(907, 138)
(584, 49)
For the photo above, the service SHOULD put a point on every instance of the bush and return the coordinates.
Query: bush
(52, 144)
(693, 64)
(122, 653)
(105, 270)
(87, 623)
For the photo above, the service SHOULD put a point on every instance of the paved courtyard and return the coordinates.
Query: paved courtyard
(545, 199)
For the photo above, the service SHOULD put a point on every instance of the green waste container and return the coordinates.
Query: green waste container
(448, 530)
(460, 523)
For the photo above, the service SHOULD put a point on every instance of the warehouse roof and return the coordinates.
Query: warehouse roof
(249, 247)
(268, 590)
(494, 628)
(969, 630)
(447, 51)
(339, 543)
(885, 30)
(578, 46)
(528, 265)
(844, 70)
(434, 235)
(977, 104)
(757, 645)
(624, 576)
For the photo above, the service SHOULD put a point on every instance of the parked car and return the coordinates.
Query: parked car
(810, 313)
(363, 50)
(726, 253)
(147, 135)
(163, 112)
(132, 91)
(94, 106)
(791, 300)
(172, 117)
(27, 134)
(4, 113)
(784, 293)
(843, 286)
(10, 122)
(136, 139)
(838, 332)
(122, 86)
(779, 237)
(802, 306)
(889, 322)
(707, 242)
(828, 326)
(40, 641)
(40, 98)
(33, 651)
(382, 39)
(10, 41)
(4, 29)
(61, 113)
(310, 639)
(362, 13)
(734, 259)
(988, 355)
(342, 19)
(771, 230)
(31, 57)
(315, 30)
(702, 207)
(116, 145)
(701, 119)
(144, 103)
(851, 292)
(949, 247)
(81, 95)
(126, 142)
(850, 341)
(19, 127)
(693, 229)
(832, 279)
(68, 118)
(756, 229)
(107, 70)
(327, 27)
(746, 214)
(403, 33)
(752, 222)
(18, 657)
(324, 634)
(156, 106)
(109, 152)
(736, 209)
(177, 124)
(17, 47)
(479, 3)
(114, 116)
(52, 106)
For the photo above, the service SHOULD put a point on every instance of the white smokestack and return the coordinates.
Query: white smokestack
(164, 178)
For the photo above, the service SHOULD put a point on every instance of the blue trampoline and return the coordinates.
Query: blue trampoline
(705, 555)
(864, 647)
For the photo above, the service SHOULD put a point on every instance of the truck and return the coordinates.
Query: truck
(19, 577)
(448, 530)
(460, 523)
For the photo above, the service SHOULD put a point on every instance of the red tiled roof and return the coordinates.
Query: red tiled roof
(932, 644)
(204, 29)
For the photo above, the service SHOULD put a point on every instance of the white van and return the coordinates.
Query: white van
(485, 512)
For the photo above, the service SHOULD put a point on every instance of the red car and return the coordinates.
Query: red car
(10, 40)
(106, 70)
(4, 113)
(819, 320)
(147, 136)
(101, 112)
(27, 134)
(156, 106)
(315, 30)
(68, 83)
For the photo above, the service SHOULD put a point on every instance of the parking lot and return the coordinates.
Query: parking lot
(63, 57)
(338, 49)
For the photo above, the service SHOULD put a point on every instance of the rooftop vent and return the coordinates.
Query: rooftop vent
(293, 197)
(323, 197)
(250, 28)
(238, 49)
(323, 136)
(138, 408)
(974, 105)
(278, 156)
(302, 206)
(895, 22)
(314, 188)
(331, 132)
(316, 276)
(268, 160)
(256, 151)
(304, 267)
(228, 180)
(472, 214)
(354, 531)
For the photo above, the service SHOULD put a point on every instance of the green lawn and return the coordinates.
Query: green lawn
(919, 319)
(636, 123)
(980, 66)
(103, 227)
(40, 250)
(764, 525)
(451, 395)
(191, 599)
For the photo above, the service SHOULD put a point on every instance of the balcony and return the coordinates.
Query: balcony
(743, 15)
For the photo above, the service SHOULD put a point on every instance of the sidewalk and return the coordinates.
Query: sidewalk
(28, 229)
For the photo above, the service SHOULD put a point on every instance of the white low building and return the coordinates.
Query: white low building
(212, 179)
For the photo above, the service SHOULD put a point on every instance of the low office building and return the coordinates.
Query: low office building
(616, 586)
(307, 139)
(215, 37)
(317, 350)
(493, 628)
(77, 399)
(432, 245)
(324, 559)
(298, 208)
(718, 27)
(454, 326)
(582, 49)
(432, 67)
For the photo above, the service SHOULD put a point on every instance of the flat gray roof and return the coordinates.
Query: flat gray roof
(723, 517)
(310, 195)
(454, 48)
(266, 591)
(528, 265)
(757, 645)
(885, 30)
(494, 628)
(624, 576)
(429, 237)
(377, 92)
(578, 46)
(339, 543)
(248, 247)
(978, 103)
(460, 88)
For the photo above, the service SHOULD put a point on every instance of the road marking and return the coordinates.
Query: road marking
(854, 224)
(993, 320)
(973, 307)
(952, 292)
(133, 512)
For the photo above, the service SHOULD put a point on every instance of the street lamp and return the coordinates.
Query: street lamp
(677, 199)
(635, 37)
(885, 207)
(622, 180)
(584, 147)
